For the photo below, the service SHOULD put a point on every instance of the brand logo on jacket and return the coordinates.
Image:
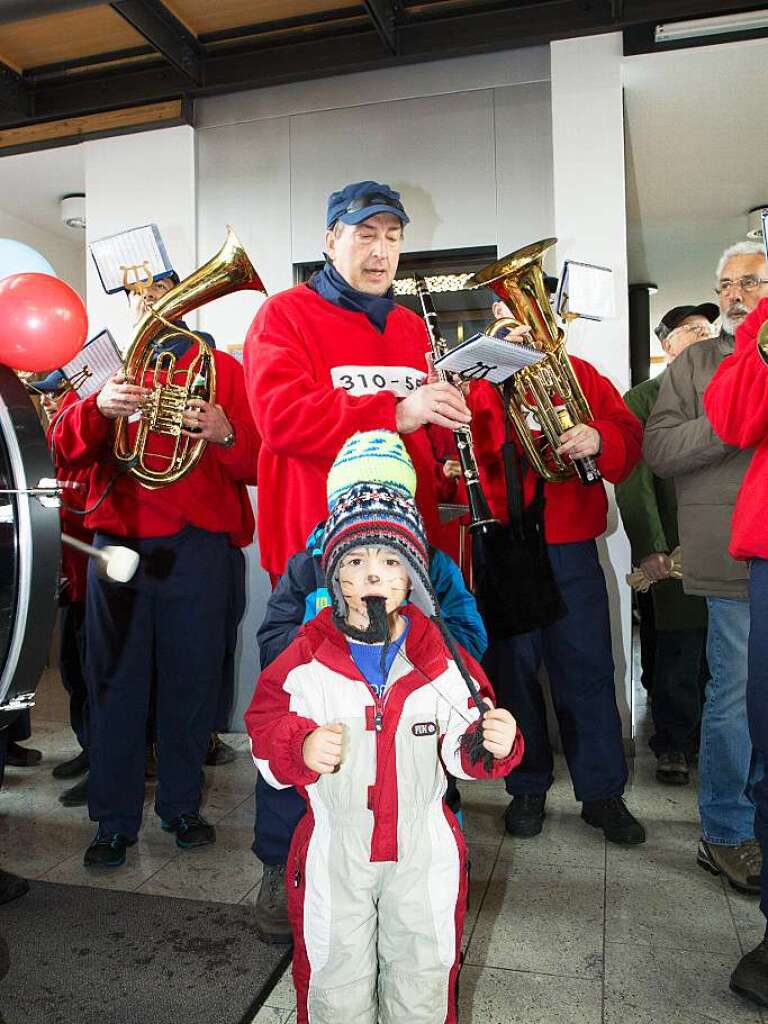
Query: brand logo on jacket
(424, 728)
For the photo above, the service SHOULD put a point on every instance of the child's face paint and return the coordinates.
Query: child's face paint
(372, 572)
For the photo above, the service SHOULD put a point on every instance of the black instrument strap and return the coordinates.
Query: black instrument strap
(515, 468)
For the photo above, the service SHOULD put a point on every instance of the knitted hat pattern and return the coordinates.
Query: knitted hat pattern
(371, 456)
(378, 515)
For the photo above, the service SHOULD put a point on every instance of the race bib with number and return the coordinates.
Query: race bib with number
(369, 380)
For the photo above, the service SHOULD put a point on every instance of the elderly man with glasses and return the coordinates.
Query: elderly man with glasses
(680, 444)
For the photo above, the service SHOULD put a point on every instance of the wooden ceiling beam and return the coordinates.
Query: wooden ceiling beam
(166, 34)
(383, 14)
(423, 36)
(15, 95)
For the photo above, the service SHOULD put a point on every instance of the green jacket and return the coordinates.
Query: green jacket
(648, 507)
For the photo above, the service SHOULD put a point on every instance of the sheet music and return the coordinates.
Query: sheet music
(492, 359)
(127, 249)
(764, 217)
(586, 291)
(93, 365)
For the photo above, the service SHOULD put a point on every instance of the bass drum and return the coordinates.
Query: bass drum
(29, 550)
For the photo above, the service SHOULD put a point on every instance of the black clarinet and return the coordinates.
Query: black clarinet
(480, 514)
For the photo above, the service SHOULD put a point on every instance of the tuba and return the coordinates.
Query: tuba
(549, 390)
(161, 415)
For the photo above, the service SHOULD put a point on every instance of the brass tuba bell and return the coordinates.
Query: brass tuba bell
(548, 390)
(161, 416)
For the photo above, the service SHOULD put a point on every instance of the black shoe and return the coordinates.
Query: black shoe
(107, 850)
(191, 830)
(525, 815)
(750, 978)
(11, 886)
(17, 756)
(75, 796)
(219, 752)
(614, 819)
(672, 768)
(270, 913)
(71, 769)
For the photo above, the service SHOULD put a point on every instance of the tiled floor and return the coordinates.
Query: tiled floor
(562, 929)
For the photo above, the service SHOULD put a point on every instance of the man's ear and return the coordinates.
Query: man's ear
(330, 243)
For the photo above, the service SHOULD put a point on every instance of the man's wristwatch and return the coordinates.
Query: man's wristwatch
(229, 440)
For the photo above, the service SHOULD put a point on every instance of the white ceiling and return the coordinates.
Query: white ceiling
(697, 160)
(31, 185)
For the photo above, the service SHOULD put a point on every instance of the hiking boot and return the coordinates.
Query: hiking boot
(672, 769)
(740, 864)
(614, 818)
(270, 912)
(219, 752)
(191, 830)
(107, 850)
(750, 978)
(525, 815)
(75, 796)
(17, 756)
(71, 769)
(11, 886)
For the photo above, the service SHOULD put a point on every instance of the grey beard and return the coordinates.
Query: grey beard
(729, 322)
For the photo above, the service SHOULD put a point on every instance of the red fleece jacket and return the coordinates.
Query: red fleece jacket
(736, 402)
(573, 511)
(212, 496)
(316, 374)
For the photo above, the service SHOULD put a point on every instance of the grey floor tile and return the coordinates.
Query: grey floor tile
(659, 897)
(140, 865)
(272, 1015)
(546, 918)
(209, 873)
(283, 995)
(648, 986)
(565, 838)
(488, 996)
(749, 921)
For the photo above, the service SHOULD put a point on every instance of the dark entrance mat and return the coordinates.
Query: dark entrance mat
(74, 955)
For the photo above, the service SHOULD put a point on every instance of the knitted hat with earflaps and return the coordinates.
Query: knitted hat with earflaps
(372, 456)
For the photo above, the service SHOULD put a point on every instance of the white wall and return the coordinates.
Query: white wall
(139, 179)
(66, 257)
(590, 221)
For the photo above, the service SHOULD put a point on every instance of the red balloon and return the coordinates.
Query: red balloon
(43, 322)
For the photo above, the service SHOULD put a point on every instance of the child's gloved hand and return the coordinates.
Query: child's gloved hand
(499, 731)
(321, 749)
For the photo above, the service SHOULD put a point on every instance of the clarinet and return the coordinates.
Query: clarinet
(480, 514)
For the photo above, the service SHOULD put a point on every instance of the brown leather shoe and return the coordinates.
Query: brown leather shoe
(740, 865)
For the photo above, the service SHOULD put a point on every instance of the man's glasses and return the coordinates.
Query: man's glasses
(748, 283)
(374, 199)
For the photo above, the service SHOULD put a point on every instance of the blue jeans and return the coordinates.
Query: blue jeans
(725, 756)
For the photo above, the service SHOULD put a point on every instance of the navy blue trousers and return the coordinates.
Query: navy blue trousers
(170, 620)
(579, 661)
(757, 705)
(71, 668)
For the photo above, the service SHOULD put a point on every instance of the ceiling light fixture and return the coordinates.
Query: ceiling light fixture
(697, 28)
(72, 209)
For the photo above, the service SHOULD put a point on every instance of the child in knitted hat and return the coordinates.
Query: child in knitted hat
(364, 712)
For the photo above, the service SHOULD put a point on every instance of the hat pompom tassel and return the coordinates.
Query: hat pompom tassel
(472, 740)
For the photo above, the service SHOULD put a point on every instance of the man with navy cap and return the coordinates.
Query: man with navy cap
(324, 360)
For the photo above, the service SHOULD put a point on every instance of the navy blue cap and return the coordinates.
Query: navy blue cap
(361, 200)
(52, 382)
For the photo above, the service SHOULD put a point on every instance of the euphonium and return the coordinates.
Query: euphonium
(162, 414)
(549, 390)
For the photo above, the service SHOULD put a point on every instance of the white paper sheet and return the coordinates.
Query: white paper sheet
(93, 365)
(129, 249)
(484, 358)
(586, 291)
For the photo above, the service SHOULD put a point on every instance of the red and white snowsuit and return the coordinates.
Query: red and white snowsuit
(376, 875)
